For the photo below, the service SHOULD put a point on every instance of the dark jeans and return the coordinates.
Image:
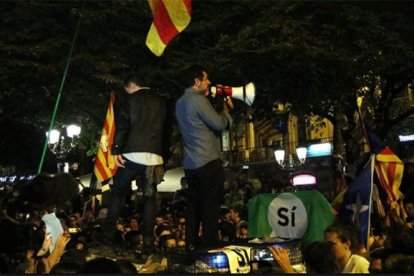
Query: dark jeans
(205, 192)
(122, 184)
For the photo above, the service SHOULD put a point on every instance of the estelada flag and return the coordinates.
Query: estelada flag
(105, 166)
(357, 199)
(170, 17)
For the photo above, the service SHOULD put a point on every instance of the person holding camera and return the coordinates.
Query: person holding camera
(201, 126)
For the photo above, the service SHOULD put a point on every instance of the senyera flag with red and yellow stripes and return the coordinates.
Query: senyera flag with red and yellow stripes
(170, 17)
(105, 166)
(389, 168)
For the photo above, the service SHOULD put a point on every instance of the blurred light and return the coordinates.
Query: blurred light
(321, 149)
(304, 179)
(219, 260)
(290, 163)
(406, 138)
(280, 156)
(73, 130)
(54, 136)
(301, 153)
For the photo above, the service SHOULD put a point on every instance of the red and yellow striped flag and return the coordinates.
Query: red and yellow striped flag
(389, 169)
(105, 166)
(170, 18)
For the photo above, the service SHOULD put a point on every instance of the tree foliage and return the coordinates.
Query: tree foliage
(314, 55)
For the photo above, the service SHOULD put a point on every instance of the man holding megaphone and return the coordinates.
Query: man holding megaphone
(201, 126)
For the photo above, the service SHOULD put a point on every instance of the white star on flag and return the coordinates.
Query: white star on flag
(357, 208)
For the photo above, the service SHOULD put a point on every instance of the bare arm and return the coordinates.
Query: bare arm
(280, 255)
(57, 252)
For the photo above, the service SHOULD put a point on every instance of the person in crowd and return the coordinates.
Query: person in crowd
(380, 236)
(101, 265)
(181, 196)
(134, 224)
(42, 261)
(140, 148)
(66, 268)
(159, 219)
(226, 193)
(265, 183)
(224, 214)
(102, 213)
(237, 217)
(73, 224)
(398, 263)
(243, 231)
(133, 240)
(245, 186)
(396, 254)
(318, 258)
(167, 242)
(344, 239)
(169, 217)
(254, 183)
(163, 229)
(237, 194)
(201, 126)
(227, 232)
(180, 231)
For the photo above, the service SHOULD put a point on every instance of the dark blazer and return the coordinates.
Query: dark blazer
(141, 124)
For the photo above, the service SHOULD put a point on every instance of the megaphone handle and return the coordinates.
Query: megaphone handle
(228, 104)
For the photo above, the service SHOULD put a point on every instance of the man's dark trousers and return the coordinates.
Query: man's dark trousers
(205, 192)
(122, 183)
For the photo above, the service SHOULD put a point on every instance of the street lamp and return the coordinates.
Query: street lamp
(59, 146)
(291, 163)
(73, 131)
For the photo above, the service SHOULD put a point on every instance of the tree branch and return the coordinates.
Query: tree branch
(394, 121)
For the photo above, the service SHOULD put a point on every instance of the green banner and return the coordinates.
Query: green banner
(298, 215)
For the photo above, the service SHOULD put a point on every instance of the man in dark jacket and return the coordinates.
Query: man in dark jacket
(140, 148)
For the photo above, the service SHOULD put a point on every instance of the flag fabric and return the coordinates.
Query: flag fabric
(389, 168)
(336, 203)
(170, 17)
(356, 204)
(298, 215)
(105, 166)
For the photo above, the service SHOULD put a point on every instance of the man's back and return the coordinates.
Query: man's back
(142, 122)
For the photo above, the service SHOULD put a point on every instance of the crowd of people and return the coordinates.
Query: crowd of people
(26, 246)
(209, 211)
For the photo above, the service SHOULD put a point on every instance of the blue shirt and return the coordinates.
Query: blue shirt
(200, 126)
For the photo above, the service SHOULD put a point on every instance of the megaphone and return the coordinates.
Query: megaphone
(244, 93)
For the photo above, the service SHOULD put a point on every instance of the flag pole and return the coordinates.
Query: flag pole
(52, 121)
(364, 129)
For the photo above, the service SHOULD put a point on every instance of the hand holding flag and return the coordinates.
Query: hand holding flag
(105, 166)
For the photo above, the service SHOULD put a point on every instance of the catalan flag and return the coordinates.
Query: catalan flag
(170, 17)
(389, 169)
(105, 166)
